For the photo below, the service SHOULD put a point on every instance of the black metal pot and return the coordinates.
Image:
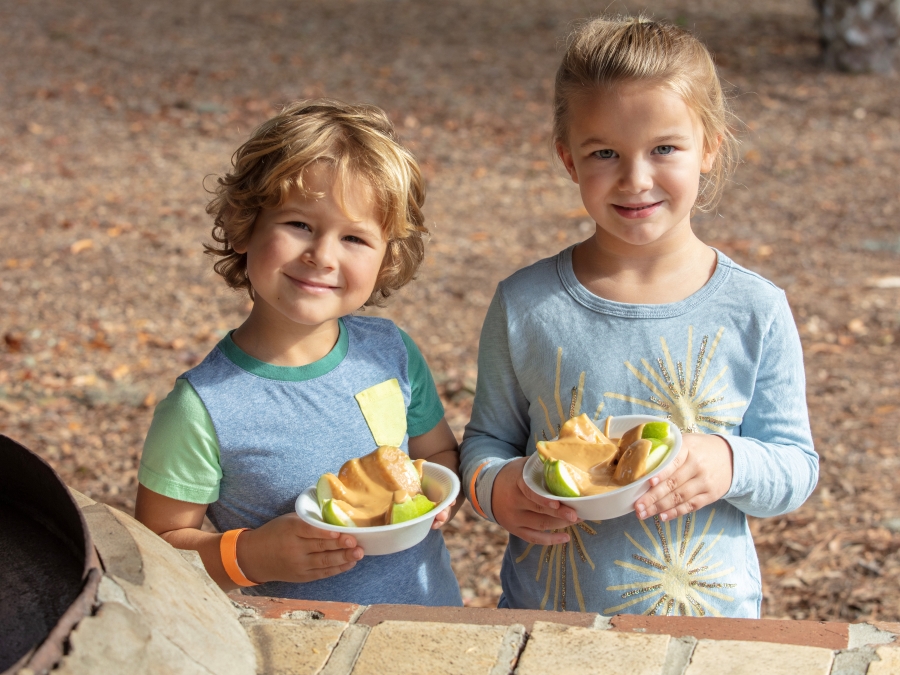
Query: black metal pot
(49, 570)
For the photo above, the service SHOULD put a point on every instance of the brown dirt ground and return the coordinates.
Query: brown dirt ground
(115, 111)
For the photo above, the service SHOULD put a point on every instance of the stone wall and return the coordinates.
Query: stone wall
(157, 611)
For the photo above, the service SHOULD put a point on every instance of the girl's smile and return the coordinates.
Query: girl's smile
(637, 210)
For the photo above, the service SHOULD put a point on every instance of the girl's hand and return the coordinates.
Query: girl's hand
(444, 516)
(524, 513)
(288, 549)
(701, 474)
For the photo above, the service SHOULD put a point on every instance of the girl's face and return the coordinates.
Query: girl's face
(312, 261)
(637, 153)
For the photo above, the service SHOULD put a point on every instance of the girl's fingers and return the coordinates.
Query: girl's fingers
(547, 506)
(535, 497)
(541, 538)
(648, 505)
(532, 520)
(684, 498)
(693, 504)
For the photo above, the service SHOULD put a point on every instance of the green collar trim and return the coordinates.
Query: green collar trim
(325, 365)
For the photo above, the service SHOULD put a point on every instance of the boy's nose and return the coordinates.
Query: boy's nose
(321, 252)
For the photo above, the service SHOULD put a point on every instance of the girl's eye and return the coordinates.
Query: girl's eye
(665, 149)
(605, 154)
(300, 225)
(353, 240)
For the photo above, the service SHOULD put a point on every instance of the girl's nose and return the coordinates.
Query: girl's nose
(635, 177)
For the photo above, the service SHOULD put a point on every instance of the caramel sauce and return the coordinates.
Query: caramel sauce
(367, 487)
(598, 464)
(633, 463)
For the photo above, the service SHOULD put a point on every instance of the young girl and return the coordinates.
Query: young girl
(641, 318)
(320, 216)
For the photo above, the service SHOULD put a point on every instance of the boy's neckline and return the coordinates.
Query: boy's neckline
(629, 310)
(287, 373)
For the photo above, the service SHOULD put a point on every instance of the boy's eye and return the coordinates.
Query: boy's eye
(354, 239)
(605, 154)
(299, 224)
(665, 149)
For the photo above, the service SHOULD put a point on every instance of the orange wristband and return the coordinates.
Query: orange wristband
(472, 496)
(228, 550)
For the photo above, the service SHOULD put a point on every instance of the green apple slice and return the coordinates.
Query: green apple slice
(335, 515)
(323, 491)
(658, 451)
(559, 479)
(411, 508)
(653, 430)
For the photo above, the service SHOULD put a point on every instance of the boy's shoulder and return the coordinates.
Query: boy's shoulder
(370, 325)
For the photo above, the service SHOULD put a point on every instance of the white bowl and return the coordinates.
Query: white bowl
(440, 485)
(611, 504)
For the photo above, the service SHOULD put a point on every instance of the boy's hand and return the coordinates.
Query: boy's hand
(444, 516)
(526, 514)
(701, 474)
(288, 549)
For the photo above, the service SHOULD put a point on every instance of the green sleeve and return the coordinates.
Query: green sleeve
(181, 451)
(425, 407)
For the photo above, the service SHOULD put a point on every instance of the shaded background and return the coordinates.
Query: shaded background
(115, 111)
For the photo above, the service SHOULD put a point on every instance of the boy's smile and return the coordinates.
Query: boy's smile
(637, 153)
(313, 259)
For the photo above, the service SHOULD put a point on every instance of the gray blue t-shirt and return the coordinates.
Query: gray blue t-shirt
(726, 360)
(247, 437)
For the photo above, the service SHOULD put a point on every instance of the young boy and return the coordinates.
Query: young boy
(320, 216)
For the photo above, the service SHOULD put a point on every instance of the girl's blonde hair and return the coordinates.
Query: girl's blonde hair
(604, 53)
(358, 142)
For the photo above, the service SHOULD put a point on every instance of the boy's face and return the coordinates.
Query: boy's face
(310, 260)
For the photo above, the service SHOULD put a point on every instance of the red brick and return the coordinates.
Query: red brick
(482, 616)
(890, 627)
(276, 608)
(808, 633)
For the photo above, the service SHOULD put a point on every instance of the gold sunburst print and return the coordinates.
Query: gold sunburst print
(684, 390)
(558, 560)
(679, 575)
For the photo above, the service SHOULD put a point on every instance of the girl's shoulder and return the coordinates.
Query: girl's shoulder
(751, 285)
(535, 278)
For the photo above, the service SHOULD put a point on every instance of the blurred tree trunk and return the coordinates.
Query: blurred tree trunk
(860, 36)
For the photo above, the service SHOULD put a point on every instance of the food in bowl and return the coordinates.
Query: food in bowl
(381, 488)
(584, 461)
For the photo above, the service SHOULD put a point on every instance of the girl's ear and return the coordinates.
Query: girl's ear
(566, 158)
(709, 155)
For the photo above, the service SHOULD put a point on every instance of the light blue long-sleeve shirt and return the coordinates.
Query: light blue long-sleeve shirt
(726, 360)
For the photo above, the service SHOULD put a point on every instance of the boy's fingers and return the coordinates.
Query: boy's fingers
(339, 558)
(325, 572)
(324, 545)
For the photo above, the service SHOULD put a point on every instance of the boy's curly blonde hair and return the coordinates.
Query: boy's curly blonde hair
(603, 53)
(357, 141)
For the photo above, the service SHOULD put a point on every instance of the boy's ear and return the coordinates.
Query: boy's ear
(568, 161)
(709, 155)
(239, 248)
